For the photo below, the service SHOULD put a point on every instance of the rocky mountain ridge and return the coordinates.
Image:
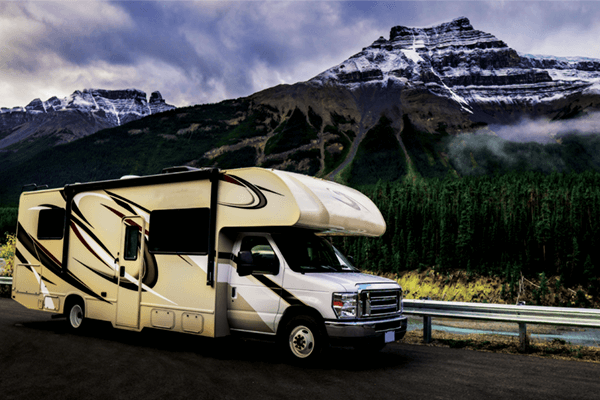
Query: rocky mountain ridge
(442, 80)
(80, 114)
(471, 67)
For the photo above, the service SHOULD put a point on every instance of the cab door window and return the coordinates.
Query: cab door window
(264, 259)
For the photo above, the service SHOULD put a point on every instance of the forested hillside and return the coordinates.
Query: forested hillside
(520, 223)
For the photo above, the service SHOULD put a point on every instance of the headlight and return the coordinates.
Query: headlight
(344, 305)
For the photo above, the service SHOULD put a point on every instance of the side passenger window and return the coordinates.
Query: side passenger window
(51, 224)
(264, 259)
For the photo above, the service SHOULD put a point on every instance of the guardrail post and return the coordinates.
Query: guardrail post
(523, 340)
(427, 329)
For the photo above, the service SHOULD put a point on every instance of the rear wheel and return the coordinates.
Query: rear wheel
(74, 313)
(303, 340)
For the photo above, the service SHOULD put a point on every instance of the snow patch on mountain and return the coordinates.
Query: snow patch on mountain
(127, 104)
(82, 113)
(468, 66)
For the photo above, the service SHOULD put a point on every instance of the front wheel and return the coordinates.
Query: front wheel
(74, 314)
(303, 340)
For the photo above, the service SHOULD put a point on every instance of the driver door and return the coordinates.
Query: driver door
(255, 298)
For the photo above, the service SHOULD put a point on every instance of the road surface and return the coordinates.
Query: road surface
(41, 359)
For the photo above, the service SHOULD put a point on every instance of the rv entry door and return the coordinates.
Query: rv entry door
(130, 271)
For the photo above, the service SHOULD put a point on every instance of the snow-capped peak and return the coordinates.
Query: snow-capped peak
(456, 61)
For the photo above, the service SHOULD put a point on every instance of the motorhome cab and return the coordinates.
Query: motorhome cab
(207, 252)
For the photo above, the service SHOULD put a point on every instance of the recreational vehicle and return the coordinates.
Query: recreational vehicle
(207, 252)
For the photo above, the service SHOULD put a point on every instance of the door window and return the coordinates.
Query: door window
(132, 243)
(264, 259)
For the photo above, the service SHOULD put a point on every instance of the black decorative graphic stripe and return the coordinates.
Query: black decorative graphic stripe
(123, 199)
(151, 277)
(49, 262)
(151, 265)
(123, 205)
(180, 256)
(121, 215)
(112, 279)
(87, 245)
(281, 292)
(75, 210)
(80, 225)
(52, 206)
(48, 280)
(21, 258)
(269, 190)
(262, 200)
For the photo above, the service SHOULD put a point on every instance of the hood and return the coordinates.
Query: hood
(340, 281)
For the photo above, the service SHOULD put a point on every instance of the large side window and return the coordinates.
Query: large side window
(182, 231)
(51, 224)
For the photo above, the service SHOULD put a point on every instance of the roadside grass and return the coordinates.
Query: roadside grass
(555, 349)
(459, 285)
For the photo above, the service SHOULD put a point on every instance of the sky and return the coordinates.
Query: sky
(197, 52)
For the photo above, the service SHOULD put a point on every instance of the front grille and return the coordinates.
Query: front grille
(379, 303)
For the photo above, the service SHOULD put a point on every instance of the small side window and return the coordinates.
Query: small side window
(51, 224)
(132, 243)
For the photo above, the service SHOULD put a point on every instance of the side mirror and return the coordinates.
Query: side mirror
(245, 263)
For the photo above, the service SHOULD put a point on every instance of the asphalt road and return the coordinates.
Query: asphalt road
(40, 359)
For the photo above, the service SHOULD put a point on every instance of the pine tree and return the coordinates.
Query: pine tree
(464, 248)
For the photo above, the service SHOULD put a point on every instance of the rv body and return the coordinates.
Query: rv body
(210, 253)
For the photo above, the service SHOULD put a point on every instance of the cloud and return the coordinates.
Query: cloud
(559, 28)
(66, 29)
(198, 52)
(223, 50)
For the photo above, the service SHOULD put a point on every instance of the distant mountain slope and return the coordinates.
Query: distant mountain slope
(81, 114)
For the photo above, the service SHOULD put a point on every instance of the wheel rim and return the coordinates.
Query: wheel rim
(76, 316)
(302, 341)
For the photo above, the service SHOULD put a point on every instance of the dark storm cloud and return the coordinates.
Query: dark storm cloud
(197, 52)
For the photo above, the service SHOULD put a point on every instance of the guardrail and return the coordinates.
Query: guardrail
(521, 314)
(6, 280)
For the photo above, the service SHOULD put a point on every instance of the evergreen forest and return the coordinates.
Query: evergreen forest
(518, 224)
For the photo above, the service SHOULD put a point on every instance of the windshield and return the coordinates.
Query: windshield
(306, 252)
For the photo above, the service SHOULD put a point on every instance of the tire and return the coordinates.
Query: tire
(74, 312)
(303, 340)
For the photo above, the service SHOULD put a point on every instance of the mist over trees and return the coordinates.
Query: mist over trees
(484, 154)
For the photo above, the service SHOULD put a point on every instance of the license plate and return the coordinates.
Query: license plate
(390, 336)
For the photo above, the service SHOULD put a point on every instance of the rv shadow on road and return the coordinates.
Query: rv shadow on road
(99, 333)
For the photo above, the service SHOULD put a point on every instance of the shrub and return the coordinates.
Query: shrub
(8, 253)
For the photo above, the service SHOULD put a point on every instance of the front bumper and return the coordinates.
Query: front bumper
(366, 328)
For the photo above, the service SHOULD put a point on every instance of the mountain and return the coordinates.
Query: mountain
(398, 107)
(78, 115)
(454, 76)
